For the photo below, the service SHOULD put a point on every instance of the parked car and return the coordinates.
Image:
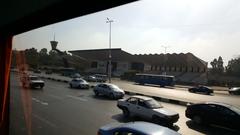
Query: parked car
(214, 113)
(147, 108)
(135, 128)
(76, 75)
(30, 81)
(201, 89)
(109, 90)
(234, 91)
(37, 71)
(100, 77)
(90, 78)
(79, 83)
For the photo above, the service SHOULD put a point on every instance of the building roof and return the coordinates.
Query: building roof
(181, 59)
(174, 59)
(103, 54)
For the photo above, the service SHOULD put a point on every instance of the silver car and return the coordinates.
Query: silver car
(79, 83)
(148, 108)
(234, 91)
(109, 90)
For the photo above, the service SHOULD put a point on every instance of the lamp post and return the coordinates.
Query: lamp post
(110, 55)
(165, 47)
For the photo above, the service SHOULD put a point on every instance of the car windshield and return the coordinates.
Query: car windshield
(114, 87)
(81, 81)
(153, 104)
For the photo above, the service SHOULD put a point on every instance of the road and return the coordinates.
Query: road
(59, 110)
(174, 93)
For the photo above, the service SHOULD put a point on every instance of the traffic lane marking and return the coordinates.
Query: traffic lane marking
(77, 98)
(39, 101)
(45, 120)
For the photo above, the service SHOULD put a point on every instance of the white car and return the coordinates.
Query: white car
(147, 108)
(30, 81)
(79, 83)
(234, 91)
(109, 90)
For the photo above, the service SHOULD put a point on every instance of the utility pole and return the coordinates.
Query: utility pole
(165, 48)
(165, 52)
(110, 55)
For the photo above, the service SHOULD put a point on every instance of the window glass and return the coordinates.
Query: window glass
(132, 100)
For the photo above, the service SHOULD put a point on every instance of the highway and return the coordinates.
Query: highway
(59, 110)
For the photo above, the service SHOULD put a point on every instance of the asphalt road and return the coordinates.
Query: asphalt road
(59, 110)
(174, 93)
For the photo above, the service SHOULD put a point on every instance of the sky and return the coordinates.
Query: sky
(206, 28)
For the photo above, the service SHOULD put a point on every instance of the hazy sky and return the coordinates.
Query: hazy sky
(206, 28)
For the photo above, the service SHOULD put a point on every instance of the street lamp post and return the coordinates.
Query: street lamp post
(165, 50)
(110, 55)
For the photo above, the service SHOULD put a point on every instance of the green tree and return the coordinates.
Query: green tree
(217, 66)
(233, 67)
(32, 57)
(43, 51)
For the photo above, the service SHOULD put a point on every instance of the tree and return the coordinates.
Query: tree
(214, 63)
(44, 58)
(217, 66)
(233, 67)
(32, 57)
(220, 67)
(43, 51)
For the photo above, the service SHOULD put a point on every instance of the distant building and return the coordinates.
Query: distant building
(186, 67)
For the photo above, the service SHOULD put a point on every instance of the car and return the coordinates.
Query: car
(30, 81)
(110, 90)
(76, 75)
(214, 113)
(100, 77)
(79, 83)
(135, 128)
(90, 78)
(201, 89)
(37, 71)
(147, 108)
(234, 91)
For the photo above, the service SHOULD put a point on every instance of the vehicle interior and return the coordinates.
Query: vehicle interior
(21, 16)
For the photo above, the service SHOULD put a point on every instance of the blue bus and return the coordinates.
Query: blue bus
(162, 80)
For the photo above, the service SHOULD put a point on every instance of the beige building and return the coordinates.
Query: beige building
(180, 65)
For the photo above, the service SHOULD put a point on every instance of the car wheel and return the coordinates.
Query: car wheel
(70, 85)
(192, 91)
(126, 113)
(230, 93)
(112, 96)
(197, 120)
(96, 93)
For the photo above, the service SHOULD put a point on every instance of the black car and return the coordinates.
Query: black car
(214, 113)
(201, 89)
